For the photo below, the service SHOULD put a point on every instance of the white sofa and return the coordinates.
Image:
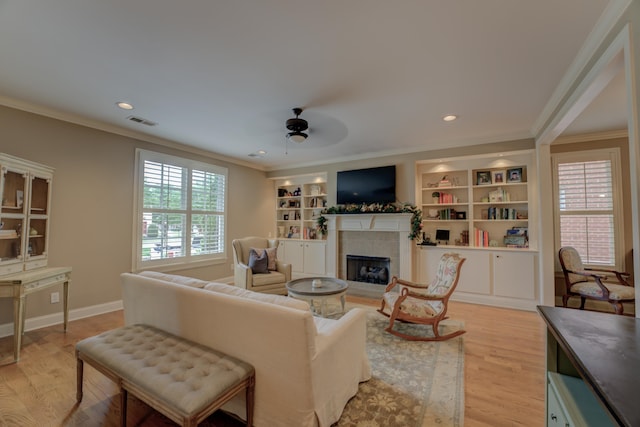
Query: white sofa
(307, 367)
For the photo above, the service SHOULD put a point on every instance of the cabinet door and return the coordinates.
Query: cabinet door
(314, 258)
(294, 254)
(555, 415)
(38, 226)
(474, 276)
(514, 274)
(14, 193)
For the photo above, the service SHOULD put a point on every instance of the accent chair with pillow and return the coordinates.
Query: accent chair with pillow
(256, 265)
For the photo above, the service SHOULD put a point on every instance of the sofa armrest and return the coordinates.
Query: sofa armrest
(242, 276)
(340, 362)
(285, 269)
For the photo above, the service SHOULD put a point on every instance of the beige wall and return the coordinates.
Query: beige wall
(92, 205)
(405, 166)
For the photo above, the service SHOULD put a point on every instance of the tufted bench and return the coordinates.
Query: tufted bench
(183, 380)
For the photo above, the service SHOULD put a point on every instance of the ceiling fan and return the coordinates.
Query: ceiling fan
(297, 126)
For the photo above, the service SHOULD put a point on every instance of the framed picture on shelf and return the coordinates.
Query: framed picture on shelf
(498, 177)
(483, 177)
(514, 175)
(461, 215)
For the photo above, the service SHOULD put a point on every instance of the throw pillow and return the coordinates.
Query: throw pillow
(271, 256)
(258, 262)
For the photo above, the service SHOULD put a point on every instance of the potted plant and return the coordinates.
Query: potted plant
(435, 197)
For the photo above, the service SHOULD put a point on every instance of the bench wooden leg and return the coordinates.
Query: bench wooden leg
(123, 407)
(250, 397)
(79, 374)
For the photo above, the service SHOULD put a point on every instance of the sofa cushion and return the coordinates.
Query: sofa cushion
(268, 279)
(173, 278)
(270, 298)
(258, 262)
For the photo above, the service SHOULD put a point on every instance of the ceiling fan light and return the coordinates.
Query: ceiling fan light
(298, 137)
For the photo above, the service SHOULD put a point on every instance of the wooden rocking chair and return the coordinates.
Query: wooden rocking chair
(423, 304)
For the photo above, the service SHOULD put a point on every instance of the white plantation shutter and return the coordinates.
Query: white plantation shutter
(181, 210)
(208, 212)
(586, 213)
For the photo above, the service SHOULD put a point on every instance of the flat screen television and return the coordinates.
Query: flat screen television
(372, 185)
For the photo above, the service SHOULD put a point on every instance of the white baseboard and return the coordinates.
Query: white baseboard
(58, 318)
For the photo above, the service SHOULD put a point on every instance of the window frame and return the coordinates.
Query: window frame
(187, 260)
(613, 155)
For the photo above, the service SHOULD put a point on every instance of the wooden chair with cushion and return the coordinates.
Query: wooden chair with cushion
(423, 304)
(256, 265)
(594, 283)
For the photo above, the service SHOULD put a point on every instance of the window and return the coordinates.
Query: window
(180, 211)
(587, 205)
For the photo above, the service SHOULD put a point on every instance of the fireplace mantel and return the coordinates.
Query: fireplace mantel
(389, 222)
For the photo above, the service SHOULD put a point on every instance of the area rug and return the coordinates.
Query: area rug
(413, 384)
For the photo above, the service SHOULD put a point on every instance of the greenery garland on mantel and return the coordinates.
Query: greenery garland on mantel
(416, 218)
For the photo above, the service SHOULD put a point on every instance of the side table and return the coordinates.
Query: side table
(325, 287)
(19, 285)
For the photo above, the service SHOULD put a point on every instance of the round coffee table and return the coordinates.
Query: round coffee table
(318, 288)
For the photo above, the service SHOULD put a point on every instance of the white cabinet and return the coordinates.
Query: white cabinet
(25, 190)
(474, 276)
(314, 258)
(499, 277)
(514, 275)
(308, 257)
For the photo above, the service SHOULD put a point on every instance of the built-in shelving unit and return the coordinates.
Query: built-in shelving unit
(299, 202)
(480, 202)
(481, 207)
(298, 206)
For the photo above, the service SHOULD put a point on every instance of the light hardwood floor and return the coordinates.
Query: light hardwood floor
(504, 373)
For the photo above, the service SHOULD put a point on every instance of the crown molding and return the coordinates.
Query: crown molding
(595, 136)
(606, 22)
(98, 125)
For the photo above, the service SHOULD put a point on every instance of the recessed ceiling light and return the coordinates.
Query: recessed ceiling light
(449, 118)
(262, 152)
(124, 105)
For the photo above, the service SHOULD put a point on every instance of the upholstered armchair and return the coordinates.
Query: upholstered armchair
(423, 304)
(249, 269)
(593, 283)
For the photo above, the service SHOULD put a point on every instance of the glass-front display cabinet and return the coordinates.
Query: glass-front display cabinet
(25, 189)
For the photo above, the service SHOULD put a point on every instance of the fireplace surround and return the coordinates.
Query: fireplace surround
(381, 235)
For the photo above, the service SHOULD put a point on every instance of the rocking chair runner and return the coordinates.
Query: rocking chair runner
(423, 304)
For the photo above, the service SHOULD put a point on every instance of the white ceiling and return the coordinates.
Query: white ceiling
(374, 77)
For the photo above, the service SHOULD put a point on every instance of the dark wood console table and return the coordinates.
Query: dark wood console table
(601, 349)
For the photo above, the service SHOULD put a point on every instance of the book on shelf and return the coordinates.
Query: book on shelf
(445, 198)
(448, 214)
(8, 233)
(499, 195)
(481, 238)
(501, 213)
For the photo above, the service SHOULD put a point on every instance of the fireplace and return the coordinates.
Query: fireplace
(375, 235)
(368, 269)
